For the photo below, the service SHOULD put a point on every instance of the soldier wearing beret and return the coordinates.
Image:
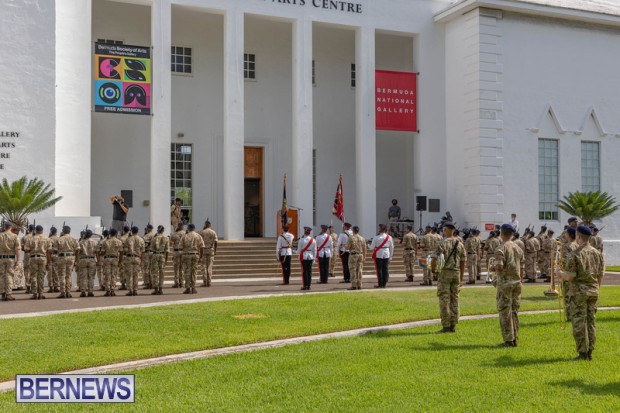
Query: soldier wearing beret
(357, 255)
(306, 248)
(86, 262)
(325, 244)
(133, 257)
(192, 246)
(9, 258)
(491, 244)
(67, 247)
(39, 247)
(29, 234)
(160, 245)
(209, 236)
(382, 247)
(532, 246)
(146, 269)
(584, 272)
(52, 275)
(111, 250)
(410, 243)
(123, 270)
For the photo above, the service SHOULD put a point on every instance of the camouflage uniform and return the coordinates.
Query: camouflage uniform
(210, 239)
(177, 257)
(160, 244)
(192, 245)
(519, 243)
(123, 269)
(531, 251)
(508, 285)
(410, 242)
(38, 247)
(549, 245)
(597, 242)
(332, 262)
(111, 249)
(587, 265)
(66, 246)
(429, 245)
(449, 281)
(26, 262)
(146, 271)
(133, 250)
(52, 276)
(490, 247)
(9, 252)
(357, 253)
(541, 258)
(87, 266)
(472, 246)
(567, 250)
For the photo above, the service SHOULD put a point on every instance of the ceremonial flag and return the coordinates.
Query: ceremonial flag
(338, 208)
(284, 210)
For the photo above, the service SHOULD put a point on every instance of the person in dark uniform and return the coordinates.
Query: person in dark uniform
(306, 248)
(119, 215)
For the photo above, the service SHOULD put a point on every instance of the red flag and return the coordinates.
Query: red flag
(338, 208)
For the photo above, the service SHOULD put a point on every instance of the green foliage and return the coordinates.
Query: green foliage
(23, 197)
(589, 206)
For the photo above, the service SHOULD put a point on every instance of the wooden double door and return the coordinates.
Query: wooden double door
(253, 190)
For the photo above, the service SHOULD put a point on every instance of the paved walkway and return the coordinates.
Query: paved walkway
(176, 358)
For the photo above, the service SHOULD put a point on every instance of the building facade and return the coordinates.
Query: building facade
(517, 105)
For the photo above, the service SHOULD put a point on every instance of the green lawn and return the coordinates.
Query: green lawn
(613, 268)
(395, 371)
(72, 341)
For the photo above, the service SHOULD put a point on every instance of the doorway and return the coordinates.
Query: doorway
(253, 192)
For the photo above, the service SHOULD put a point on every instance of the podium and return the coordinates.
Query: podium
(293, 222)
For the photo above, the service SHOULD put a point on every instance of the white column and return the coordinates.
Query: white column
(73, 105)
(234, 128)
(161, 121)
(302, 144)
(365, 133)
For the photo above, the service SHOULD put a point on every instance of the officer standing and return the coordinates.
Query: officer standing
(67, 247)
(209, 236)
(332, 261)
(9, 258)
(105, 234)
(27, 278)
(540, 258)
(86, 261)
(584, 271)
(325, 245)
(451, 277)
(472, 246)
(52, 274)
(160, 245)
(549, 245)
(123, 269)
(343, 240)
(175, 213)
(284, 251)
(382, 247)
(428, 245)
(177, 256)
(306, 248)
(410, 243)
(531, 251)
(357, 255)
(490, 246)
(192, 246)
(146, 271)
(39, 247)
(111, 250)
(133, 257)
(568, 247)
(508, 258)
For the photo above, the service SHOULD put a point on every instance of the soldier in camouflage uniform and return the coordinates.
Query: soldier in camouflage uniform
(87, 264)
(160, 244)
(549, 245)
(595, 240)
(357, 255)
(67, 247)
(508, 258)
(472, 247)
(52, 275)
(451, 277)
(29, 234)
(568, 247)
(39, 248)
(410, 242)
(177, 257)
(111, 250)
(9, 259)
(146, 272)
(100, 276)
(519, 243)
(123, 270)
(541, 262)
(210, 239)
(192, 246)
(133, 256)
(492, 243)
(531, 252)
(332, 262)
(584, 271)
(428, 243)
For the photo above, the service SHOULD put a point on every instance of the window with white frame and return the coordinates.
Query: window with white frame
(548, 179)
(249, 66)
(352, 74)
(181, 176)
(181, 60)
(590, 167)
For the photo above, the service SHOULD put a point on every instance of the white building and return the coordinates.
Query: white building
(518, 105)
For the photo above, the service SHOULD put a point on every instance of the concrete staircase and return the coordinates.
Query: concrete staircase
(256, 258)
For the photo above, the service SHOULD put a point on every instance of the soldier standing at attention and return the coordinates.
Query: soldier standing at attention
(508, 258)
(192, 246)
(284, 251)
(568, 247)
(531, 250)
(86, 261)
(490, 246)
(584, 272)
(39, 247)
(382, 247)
(123, 270)
(306, 248)
(146, 272)
(175, 213)
(100, 276)
(540, 258)
(29, 234)
(332, 262)
(343, 240)
(325, 245)
(519, 243)
(159, 247)
(67, 247)
(410, 242)
(52, 275)
(450, 278)
(177, 256)
(549, 245)
(210, 239)
(111, 250)
(472, 246)
(426, 243)
(438, 240)
(133, 250)
(357, 255)
(9, 258)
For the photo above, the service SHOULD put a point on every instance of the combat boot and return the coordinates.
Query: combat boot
(444, 330)
(91, 294)
(581, 356)
(187, 291)
(83, 294)
(9, 297)
(41, 297)
(129, 293)
(56, 290)
(194, 291)
(589, 355)
(160, 291)
(155, 291)
(34, 296)
(112, 293)
(62, 295)
(107, 294)
(3, 296)
(50, 290)
(123, 286)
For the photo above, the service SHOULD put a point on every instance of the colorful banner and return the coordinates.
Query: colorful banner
(122, 79)
(396, 101)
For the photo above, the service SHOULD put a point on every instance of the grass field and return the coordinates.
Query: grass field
(72, 341)
(613, 268)
(398, 371)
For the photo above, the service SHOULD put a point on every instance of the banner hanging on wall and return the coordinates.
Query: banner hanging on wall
(122, 79)
(396, 101)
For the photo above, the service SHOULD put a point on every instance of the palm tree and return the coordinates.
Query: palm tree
(23, 197)
(589, 205)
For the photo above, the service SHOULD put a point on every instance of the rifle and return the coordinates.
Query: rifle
(62, 230)
(83, 233)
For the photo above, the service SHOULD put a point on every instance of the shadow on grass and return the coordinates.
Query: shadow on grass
(591, 389)
(435, 346)
(395, 333)
(509, 361)
(538, 299)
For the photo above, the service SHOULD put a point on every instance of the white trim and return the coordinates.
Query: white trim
(549, 110)
(592, 114)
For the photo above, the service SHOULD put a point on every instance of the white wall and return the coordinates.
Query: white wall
(27, 95)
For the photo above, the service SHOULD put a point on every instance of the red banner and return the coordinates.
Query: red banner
(489, 227)
(396, 101)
